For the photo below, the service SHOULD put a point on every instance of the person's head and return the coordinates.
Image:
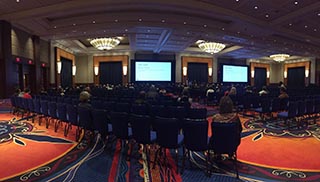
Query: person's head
(282, 90)
(264, 88)
(84, 96)
(27, 90)
(225, 105)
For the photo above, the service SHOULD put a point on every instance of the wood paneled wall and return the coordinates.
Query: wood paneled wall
(305, 64)
(186, 59)
(259, 65)
(124, 59)
(62, 53)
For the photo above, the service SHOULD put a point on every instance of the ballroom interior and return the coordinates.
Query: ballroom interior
(36, 35)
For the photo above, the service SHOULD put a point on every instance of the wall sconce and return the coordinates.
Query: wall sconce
(252, 74)
(184, 71)
(285, 74)
(210, 71)
(268, 74)
(74, 70)
(125, 70)
(96, 70)
(306, 72)
(59, 67)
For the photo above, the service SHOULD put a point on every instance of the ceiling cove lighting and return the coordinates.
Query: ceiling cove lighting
(210, 47)
(279, 57)
(105, 43)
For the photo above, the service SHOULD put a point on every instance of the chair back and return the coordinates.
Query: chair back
(44, 107)
(292, 109)
(52, 109)
(72, 114)
(167, 132)
(100, 119)
(225, 137)
(140, 109)
(62, 111)
(119, 121)
(141, 126)
(195, 133)
(85, 117)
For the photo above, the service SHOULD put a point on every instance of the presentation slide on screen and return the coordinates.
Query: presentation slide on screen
(153, 71)
(235, 73)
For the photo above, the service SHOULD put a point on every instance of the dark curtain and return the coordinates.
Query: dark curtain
(260, 77)
(296, 77)
(110, 72)
(66, 72)
(198, 72)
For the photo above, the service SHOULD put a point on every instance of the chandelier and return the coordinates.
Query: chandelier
(210, 47)
(105, 43)
(279, 57)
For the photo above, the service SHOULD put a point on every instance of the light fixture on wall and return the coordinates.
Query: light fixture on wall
(268, 74)
(285, 74)
(59, 67)
(105, 43)
(184, 71)
(210, 71)
(125, 70)
(74, 70)
(96, 70)
(210, 47)
(252, 74)
(306, 72)
(279, 57)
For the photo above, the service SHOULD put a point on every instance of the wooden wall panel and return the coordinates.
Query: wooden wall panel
(186, 59)
(259, 65)
(305, 64)
(62, 53)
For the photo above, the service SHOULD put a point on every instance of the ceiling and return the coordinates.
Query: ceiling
(250, 28)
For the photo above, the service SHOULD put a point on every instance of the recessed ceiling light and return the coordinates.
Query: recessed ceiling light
(184, 23)
(290, 24)
(104, 31)
(238, 32)
(55, 27)
(205, 25)
(256, 7)
(126, 30)
(116, 20)
(188, 33)
(148, 30)
(222, 28)
(237, 0)
(93, 21)
(306, 26)
(296, 2)
(74, 24)
(17, 1)
(163, 21)
(318, 14)
(315, 29)
(140, 19)
(267, 15)
(84, 32)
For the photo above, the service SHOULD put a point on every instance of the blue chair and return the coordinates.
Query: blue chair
(290, 114)
(62, 114)
(52, 111)
(195, 132)
(264, 109)
(44, 112)
(168, 137)
(101, 122)
(85, 121)
(141, 131)
(120, 127)
(225, 139)
(72, 119)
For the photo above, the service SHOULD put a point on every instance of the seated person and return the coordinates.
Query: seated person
(264, 91)
(226, 114)
(233, 90)
(84, 100)
(26, 94)
(283, 93)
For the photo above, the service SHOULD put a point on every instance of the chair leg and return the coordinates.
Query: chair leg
(236, 165)
(156, 157)
(183, 159)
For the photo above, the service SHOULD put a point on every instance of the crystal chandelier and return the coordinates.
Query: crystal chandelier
(210, 47)
(105, 43)
(279, 57)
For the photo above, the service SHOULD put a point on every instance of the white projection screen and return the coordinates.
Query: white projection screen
(232, 73)
(153, 71)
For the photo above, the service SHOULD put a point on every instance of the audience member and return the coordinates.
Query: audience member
(283, 93)
(233, 90)
(226, 113)
(84, 99)
(26, 94)
(264, 91)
